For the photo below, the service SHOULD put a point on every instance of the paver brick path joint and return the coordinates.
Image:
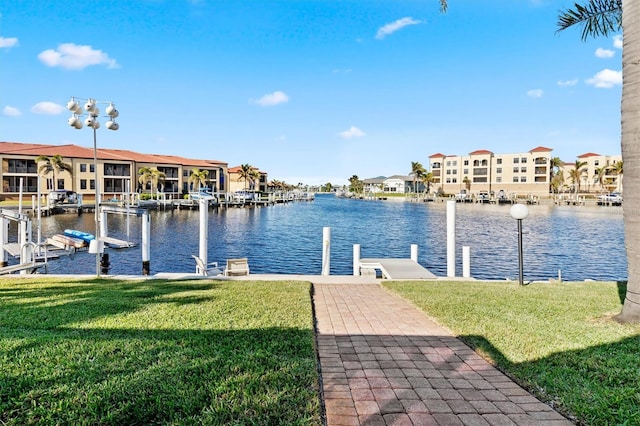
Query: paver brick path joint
(383, 362)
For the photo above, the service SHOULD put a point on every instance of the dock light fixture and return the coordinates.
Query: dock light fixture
(91, 112)
(519, 212)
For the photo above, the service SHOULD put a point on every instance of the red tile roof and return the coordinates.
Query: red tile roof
(541, 149)
(438, 155)
(588, 154)
(481, 152)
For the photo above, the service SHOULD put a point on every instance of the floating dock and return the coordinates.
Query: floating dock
(397, 269)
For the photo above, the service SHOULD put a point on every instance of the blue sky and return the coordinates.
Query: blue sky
(311, 91)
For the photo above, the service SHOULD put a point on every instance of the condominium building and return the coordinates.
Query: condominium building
(239, 183)
(525, 173)
(520, 173)
(116, 170)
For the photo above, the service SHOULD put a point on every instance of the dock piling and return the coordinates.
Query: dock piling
(356, 260)
(451, 238)
(326, 250)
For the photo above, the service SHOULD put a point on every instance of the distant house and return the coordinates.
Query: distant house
(373, 185)
(398, 184)
(237, 183)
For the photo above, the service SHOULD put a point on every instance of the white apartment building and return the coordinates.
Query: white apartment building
(590, 180)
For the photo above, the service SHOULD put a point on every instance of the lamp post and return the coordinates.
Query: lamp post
(519, 212)
(92, 112)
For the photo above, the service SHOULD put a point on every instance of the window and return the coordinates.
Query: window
(116, 169)
(523, 160)
(465, 171)
(92, 184)
(485, 163)
(454, 163)
(455, 171)
(22, 166)
(83, 168)
(92, 169)
(515, 179)
(499, 170)
(454, 180)
(480, 172)
(83, 184)
(448, 180)
(436, 165)
(597, 162)
(516, 169)
(499, 161)
(523, 178)
(448, 163)
(476, 163)
(60, 184)
(499, 179)
(448, 172)
(516, 160)
(480, 180)
(466, 162)
(523, 170)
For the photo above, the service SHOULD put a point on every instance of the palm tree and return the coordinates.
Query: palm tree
(417, 171)
(198, 177)
(557, 181)
(355, 184)
(600, 176)
(604, 17)
(152, 176)
(427, 180)
(554, 168)
(617, 171)
(467, 183)
(52, 165)
(576, 174)
(246, 171)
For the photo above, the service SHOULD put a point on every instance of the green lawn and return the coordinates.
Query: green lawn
(156, 352)
(557, 340)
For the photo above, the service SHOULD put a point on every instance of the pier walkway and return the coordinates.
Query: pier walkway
(383, 362)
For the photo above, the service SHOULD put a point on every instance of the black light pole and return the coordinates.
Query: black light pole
(519, 212)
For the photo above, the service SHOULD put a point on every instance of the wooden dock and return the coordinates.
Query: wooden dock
(397, 269)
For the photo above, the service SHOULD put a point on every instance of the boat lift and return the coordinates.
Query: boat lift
(32, 256)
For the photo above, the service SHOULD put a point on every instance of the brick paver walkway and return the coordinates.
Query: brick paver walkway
(383, 362)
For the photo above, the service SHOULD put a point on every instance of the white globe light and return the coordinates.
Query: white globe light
(90, 106)
(72, 105)
(519, 211)
(112, 125)
(78, 109)
(72, 121)
(96, 124)
(78, 124)
(112, 111)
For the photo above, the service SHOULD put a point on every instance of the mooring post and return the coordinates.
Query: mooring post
(451, 238)
(466, 261)
(356, 260)
(414, 252)
(204, 230)
(146, 244)
(104, 228)
(326, 250)
(4, 239)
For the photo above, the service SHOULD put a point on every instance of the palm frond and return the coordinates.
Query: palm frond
(597, 18)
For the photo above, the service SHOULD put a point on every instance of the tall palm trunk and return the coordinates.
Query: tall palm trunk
(631, 154)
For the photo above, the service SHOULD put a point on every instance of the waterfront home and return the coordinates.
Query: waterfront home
(114, 168)
(399, 184)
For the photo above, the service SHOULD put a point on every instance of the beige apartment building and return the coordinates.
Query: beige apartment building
(115, 169)
(597, 174)
(520, 174)
(238, 183)
(526, 173)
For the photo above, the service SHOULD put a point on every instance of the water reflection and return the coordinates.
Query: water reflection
(582, 242)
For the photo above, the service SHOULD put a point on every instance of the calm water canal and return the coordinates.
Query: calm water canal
(582, 242)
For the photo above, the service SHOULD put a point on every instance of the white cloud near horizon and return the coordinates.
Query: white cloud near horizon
(604, 53)
(271, 99)
(617, 42)
(6, 42)
(75, 57)
(353, 132)
(567, 83)
(47, 108)
(392, 27)
(606, 79)
(535, 93)
(10, 111)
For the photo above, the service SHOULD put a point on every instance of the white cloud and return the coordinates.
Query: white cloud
(10, 111)
(566, 83)
(8, 42)
(353, 132)
(617, 42)
(75, 57)
(271, 99)
(606, 79)
(47, 108)
(604, 53)
(392, 27)
(535, 93)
